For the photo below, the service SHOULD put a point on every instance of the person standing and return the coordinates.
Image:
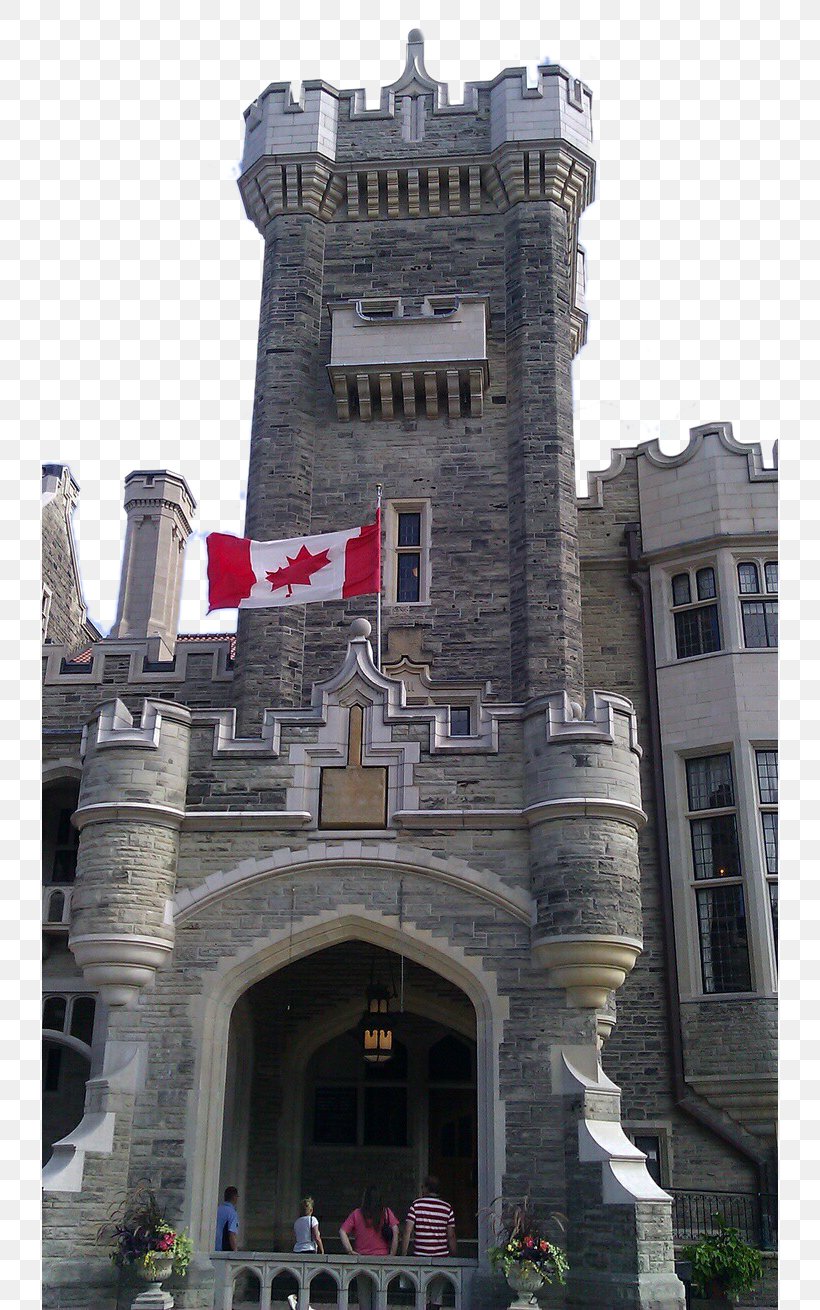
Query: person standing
(372, 1229)
(227, 1222)
(431, 1226)
(306, 1229)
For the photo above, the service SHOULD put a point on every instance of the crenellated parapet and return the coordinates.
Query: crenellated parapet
(325, 154)
(337, 125)
(131, 806)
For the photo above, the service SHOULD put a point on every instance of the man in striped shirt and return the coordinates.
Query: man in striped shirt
(431, 1226)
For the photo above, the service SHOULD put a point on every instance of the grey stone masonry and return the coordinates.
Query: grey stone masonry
(545, 601)
(498, 223)
(131, 805)
(160, 508)
(64, 614)
(270, 642)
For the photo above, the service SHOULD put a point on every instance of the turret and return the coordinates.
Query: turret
(160, 507)
(131, 805)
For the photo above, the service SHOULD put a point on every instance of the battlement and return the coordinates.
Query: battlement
(415, 117)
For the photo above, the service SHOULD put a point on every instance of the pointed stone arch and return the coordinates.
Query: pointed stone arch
(234, 975)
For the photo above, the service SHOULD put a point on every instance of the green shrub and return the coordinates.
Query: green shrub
(723, 1258)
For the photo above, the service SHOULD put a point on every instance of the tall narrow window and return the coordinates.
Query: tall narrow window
(766, 762)
(408, 557)
(758, 603)
(695, 612)
(64, 868)
(721, 910)
(408, 552)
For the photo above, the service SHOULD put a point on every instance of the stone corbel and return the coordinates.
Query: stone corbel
(124, 1066)
(588, 965)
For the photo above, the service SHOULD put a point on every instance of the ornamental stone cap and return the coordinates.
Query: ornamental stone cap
(159, 484)
(323, 120)
(58, 477)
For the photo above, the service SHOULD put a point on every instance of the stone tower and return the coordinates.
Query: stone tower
(421, 305)
(261, 840)
(422, 302)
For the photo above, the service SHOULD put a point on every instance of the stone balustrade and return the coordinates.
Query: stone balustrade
(383, 1272)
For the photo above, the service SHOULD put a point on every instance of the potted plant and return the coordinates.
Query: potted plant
(723, 1265)
(525, 1254)
(146, 1244)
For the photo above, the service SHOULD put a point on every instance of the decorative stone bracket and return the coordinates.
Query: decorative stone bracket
(625, 1178)
(124, 1065)
(587, 965)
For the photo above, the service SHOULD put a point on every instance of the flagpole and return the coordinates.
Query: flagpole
(379, 596)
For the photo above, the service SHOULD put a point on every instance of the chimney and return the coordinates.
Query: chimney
(160, 507)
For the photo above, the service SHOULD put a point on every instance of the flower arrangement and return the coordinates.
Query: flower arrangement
(522, 1244)
(142, 1236)
(722, 1263)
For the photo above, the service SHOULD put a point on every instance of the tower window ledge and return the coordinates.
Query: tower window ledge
(388, 363)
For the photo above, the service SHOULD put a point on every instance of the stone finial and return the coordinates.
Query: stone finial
(360, 629)
(160, 507)
(415, 80)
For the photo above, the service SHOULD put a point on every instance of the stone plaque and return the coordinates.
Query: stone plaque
(354, 796)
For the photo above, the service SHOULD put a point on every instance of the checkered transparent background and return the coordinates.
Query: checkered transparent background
(138, 319)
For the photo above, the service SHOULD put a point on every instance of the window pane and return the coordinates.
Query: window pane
(409, 569)
(53, 1058)
(409, 530)
(82, 1018)
(334, 1116)
(759, 623)
(459, 720)
(724, 950)
(747, 578)
(771, 575)
(681, 594)
(54, 1013)
(64, 828)
(56, 906)
(450, 1061)
(385, 1116)
(767, 776)
(709, 782)
(714, 847)
(773, 905)
(770, 841)
(651, 1147)
(705, 579)
(64, 868)
(696, 631)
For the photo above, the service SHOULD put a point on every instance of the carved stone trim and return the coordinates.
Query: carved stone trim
(589, 966)
(119, 966)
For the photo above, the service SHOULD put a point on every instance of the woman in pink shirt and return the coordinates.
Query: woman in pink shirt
(373, 1229)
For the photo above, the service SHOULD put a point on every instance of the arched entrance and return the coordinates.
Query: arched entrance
(307, 1114)
(218, 1105)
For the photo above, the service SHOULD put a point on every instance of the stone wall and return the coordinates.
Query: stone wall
(67, 623)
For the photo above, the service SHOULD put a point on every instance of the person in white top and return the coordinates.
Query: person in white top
(306, 1229)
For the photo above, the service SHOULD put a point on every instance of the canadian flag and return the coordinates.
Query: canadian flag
(245, 574)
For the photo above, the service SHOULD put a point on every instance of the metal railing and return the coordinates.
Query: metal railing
(267, 1279)
(753, 1214)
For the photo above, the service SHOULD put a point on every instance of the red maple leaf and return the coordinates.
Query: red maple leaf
(298, 570)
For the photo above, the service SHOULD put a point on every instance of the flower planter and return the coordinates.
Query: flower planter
(526, 1281)
(153, 1298)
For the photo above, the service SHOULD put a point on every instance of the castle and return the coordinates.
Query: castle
(534, 827)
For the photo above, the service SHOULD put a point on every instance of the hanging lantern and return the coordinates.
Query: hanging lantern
(377, 1028)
